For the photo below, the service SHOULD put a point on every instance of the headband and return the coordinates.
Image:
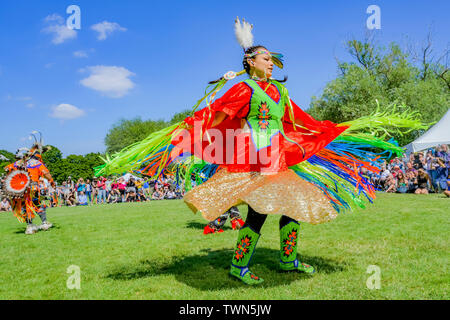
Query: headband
(277, 58)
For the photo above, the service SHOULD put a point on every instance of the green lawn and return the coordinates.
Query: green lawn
(157, 250)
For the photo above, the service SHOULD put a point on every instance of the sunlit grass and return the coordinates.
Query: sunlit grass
(157, 250)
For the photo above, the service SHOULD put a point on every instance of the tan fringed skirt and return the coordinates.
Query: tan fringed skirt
(283, 193)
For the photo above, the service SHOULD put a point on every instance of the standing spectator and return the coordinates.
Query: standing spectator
(146, 187)
(81, 186)
(441, 175)
(419, 161)
(101, 190)
(384, 175)
(444, 153)
(139, 184)
(89, 190)
(108, 183)
(122, 188)
(70, 183)
(94, 190)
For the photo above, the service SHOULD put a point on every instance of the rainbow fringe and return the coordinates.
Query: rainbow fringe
(335, 170)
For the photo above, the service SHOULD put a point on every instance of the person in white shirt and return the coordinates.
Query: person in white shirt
(5, 205)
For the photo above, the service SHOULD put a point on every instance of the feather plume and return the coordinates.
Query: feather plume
(243, 32)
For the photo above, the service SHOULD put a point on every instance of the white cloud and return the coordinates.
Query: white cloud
(105, 28)
(80, 54)
(66, 111)
(30, 105)
(24, 98)
(58, 28)
(54, 17)
(111, 81)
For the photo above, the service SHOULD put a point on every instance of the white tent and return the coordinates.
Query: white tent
(436, 135)
(127, 177)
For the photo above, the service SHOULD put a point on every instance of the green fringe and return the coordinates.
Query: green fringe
(133, 157)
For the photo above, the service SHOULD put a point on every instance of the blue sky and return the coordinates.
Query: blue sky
(152, 59)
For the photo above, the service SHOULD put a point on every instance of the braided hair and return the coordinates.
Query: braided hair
(246, 65)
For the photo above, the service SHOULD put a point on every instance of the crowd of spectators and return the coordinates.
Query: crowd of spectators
(420, 173)
(104, 190)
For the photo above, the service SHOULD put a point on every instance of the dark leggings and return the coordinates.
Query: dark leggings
(256, 220)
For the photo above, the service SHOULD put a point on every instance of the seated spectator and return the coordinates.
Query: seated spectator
(391, 184)
(411, 177)
(140, 196)
(395, 171)
(5, 205)
(384, 175)
(170, 195)
(114, 196)
(179, 193)
(157, 195)
(447, 192)
(402, 183)
(82, 199)
(131, 190)
(422, 182)
(410, 168)
(71, 199)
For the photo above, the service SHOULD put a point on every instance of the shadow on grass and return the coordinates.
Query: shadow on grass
(209, 271)
(201, 226)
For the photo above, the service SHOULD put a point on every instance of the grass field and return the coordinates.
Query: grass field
(156, 250)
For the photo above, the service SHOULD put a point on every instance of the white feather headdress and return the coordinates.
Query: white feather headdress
(243, 32)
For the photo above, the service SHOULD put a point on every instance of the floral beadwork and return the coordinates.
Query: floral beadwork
(264, 116)
(289, 243)
(254, 277)
(242, 248)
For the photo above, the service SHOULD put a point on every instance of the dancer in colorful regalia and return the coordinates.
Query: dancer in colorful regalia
(21, 185)
(275, 157)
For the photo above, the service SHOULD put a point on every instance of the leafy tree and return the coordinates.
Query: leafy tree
(126, 132)
(389, 76)
(180, 116)
(7, 158)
